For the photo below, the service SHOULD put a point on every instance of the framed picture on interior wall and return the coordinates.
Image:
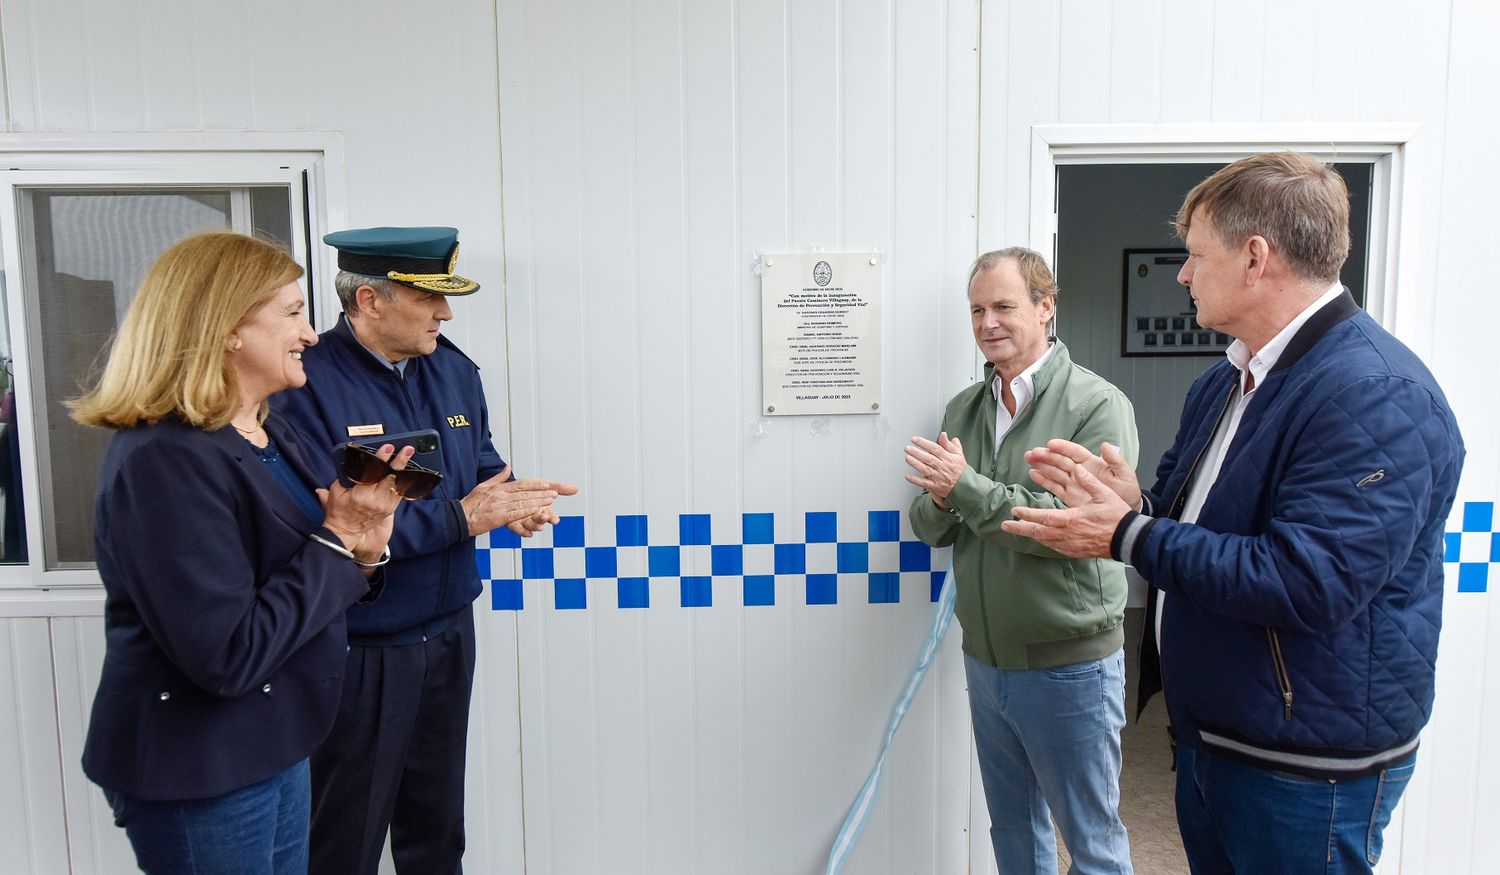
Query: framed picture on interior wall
(1157, 315)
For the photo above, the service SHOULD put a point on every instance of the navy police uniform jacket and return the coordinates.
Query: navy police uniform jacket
(1300, 630)
(432, 575)
(224, 623)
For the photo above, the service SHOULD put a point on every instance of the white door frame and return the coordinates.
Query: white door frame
(1393, 149)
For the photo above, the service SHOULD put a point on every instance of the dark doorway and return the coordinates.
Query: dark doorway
(1103, 210)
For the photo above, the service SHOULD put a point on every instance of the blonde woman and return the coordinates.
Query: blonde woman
(229, 553)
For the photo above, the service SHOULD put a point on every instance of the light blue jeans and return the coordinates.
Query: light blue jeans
(1049, 745)
(1240, 819)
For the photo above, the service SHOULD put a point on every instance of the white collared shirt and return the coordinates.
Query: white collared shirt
(1021, 388)
(1259, 366)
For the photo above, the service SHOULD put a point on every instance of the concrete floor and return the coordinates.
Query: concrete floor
(1147, 787)
(1146, 781)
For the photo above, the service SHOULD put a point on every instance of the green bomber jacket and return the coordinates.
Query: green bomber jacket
(1022, 605)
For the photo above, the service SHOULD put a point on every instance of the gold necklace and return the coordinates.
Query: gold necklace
(246, 431)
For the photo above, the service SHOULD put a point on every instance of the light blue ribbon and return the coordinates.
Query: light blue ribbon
(854, 824)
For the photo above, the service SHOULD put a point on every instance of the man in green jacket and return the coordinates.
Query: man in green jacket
(1043, 641)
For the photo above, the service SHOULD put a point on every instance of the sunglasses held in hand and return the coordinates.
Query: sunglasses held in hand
(361, 465)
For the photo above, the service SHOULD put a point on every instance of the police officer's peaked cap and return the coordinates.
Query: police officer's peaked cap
(423, 258)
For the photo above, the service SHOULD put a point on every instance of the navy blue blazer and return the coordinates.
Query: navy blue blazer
(224, 623)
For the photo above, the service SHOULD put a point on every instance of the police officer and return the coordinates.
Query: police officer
(395, 757)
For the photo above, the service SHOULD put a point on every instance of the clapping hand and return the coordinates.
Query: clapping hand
(1085, 528)
(1053, 467)
(524, 506)
(936, 465)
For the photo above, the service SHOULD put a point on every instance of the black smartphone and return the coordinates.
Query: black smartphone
(429, 452)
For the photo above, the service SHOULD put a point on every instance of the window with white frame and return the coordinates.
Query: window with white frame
(80, 228)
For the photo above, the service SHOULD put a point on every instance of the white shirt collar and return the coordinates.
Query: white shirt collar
(1021, 386)
(1262, 362)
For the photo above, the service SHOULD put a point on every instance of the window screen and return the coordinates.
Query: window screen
(87, 251)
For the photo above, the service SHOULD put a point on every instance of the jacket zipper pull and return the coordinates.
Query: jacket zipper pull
(1283, 677)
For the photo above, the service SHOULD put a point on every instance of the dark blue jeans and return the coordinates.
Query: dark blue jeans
(258, 830)
(1239, 819)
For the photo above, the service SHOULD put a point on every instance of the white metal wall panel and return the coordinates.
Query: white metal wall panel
(1179, 64)
(1437, 829)
(657, 150)
(95, 844)
(1083, 59)
(33, 830)
(1451, 832)
(1239, 59)
(226, 59)
(1134, 88)
(1020, 83)
(169, 80)
(42, 46)
(494, 786)
(933, 239)
(1284, 88)
(1386, 88)
(278, 92)
(708, 642)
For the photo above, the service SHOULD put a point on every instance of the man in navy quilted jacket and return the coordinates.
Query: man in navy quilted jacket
(1293, 538)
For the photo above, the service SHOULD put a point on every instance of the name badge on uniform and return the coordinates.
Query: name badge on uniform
(458, 420)
(366, 430)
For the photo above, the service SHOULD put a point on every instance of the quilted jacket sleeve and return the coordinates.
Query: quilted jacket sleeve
(1335, 531)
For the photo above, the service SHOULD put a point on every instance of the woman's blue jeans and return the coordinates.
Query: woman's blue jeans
(1049, 745)
(257, 830)
(1240, 819)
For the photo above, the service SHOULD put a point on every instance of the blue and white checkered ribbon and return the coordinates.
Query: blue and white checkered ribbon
(854, 824)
